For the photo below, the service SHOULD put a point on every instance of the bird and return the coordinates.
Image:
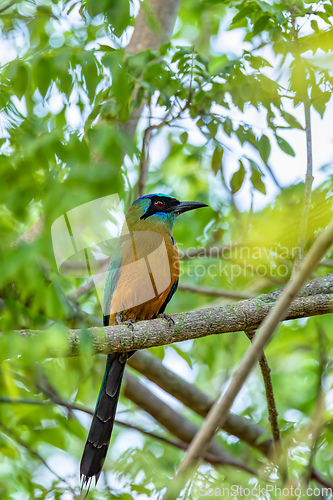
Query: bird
(141, 280)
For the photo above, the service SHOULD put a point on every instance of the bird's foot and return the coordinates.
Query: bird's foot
(170, 320)
(128, 322)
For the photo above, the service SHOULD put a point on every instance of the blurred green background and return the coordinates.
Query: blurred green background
(224, 100)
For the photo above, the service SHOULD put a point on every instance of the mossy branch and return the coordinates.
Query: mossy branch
(315, 298)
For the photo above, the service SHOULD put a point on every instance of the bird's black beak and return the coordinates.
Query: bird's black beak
(185, 206)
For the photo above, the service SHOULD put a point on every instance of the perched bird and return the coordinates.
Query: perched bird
(141, 280)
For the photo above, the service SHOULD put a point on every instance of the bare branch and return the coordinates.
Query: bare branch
(144, 162)
(71, 406)
(316, 477)
(271, 405)
(153, 26)
(7, 5)
(173, 421)
(89, 285)
(326, 263)
(308, 186)
(216, 292)
(32, 234)
(152, 368)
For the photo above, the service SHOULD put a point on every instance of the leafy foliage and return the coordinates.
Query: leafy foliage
(68, 91)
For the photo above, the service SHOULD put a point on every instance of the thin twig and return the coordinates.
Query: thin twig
(216, 292)
(144, 162)
(307, 189)
(326, 263)
(7, 6)
(316, 477)
(38, 402)
(89, 285)
(271, 405)
(317, 420)
(209, 457)
(167, 417)
(34, 453)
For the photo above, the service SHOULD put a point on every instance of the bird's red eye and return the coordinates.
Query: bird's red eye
(159, 204)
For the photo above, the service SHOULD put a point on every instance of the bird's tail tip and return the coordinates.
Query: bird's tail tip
(86, 484)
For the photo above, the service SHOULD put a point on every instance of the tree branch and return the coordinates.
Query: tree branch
(314, 299)
(7, 5)
(204, 290)
(316, 477)
(173, 421)
(72, 406)
(152, 368)
(149, 403)
(153, 26)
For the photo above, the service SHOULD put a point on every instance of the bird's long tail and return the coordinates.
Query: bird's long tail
(99, 436)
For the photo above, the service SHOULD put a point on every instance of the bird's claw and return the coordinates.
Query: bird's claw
(128, 322)
(170, 320)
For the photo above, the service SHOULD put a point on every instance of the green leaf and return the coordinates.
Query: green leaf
(319, 99)
(227, 126)
(256, 177)
(244, 12)
(328, 8)
(314, 25)
(264, 148)
(182, 354)
(237, 179)
(43, 75)
(212, 127)
(117, 13)
(183, 137)
(285, 146)
(217, 159)
(293, 122)
(21, 80)
(260, 25)
(90, 72)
